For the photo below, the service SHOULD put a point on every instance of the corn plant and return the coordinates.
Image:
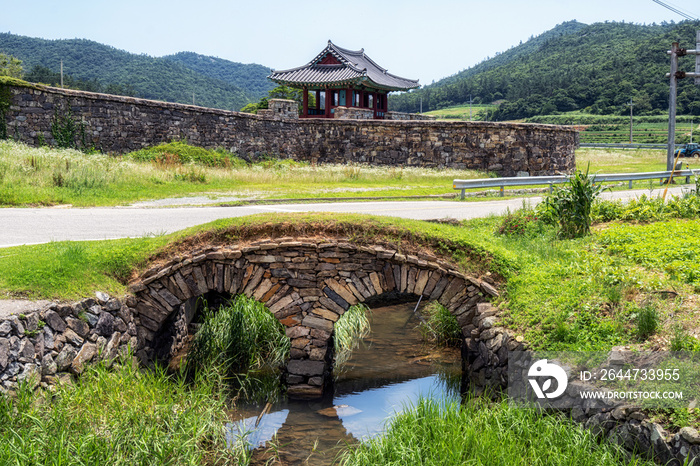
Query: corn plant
(570, 205)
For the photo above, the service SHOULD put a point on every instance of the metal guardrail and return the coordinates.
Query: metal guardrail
(595, 145)
(501, 183)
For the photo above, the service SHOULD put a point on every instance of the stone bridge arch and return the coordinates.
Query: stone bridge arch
(307, 284)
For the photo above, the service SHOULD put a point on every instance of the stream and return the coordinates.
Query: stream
(390, 370)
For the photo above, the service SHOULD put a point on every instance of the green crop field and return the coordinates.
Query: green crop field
(610, 129)
(461, 112)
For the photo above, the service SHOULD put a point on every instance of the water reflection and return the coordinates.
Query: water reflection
(255, 436)
(377, 405)
(387, 373)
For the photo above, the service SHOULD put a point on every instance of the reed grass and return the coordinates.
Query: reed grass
(479, 433)
(349, 330)
(235, 339)
(118, 416)
(441, 326)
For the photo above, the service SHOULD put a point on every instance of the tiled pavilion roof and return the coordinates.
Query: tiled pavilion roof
(352, 67)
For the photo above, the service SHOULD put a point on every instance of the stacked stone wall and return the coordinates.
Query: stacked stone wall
(53, 344)
(485, 358)
(117, 124)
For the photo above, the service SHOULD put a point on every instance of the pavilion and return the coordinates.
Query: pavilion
(343, 78)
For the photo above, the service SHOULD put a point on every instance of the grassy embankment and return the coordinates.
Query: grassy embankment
(561, 294)
(587, 288)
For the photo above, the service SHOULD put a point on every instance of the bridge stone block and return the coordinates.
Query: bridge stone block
(318, 323)
(305, 367)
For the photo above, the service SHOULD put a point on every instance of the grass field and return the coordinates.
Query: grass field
(461, 112)
(43, 176)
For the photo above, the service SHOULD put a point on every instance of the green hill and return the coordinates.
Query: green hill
(251, 77)
(596, 68)
(97, 67)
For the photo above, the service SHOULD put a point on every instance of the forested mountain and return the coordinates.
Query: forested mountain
(92, 66)
(597, 68)
(251, 77)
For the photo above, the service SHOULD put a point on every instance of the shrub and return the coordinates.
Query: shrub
(181, 153)
(571, 205)
(516, 223)
(647, 321)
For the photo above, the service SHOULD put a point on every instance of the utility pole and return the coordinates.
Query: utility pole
(421, 105)
(61, 74)
(192, 97)
(672, 107)
(697, 57)
(470, 107)
(631, 106)
(675, 52)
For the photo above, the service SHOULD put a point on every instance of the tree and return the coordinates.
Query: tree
(10, 66)
(280, 92)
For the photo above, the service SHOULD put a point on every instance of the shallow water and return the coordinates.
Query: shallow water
(391, 369)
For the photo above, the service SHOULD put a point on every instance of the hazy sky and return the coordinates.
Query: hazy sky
(425, 40)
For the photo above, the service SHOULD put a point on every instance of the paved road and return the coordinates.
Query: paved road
(41, 225)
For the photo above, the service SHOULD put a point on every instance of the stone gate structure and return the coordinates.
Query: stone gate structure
(116, 124)
(307, 284)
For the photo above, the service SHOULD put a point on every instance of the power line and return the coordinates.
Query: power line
(676, 10)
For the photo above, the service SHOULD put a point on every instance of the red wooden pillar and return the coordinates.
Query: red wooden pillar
(318, 99)
(374, 104)
(305, 105)
(327, 111)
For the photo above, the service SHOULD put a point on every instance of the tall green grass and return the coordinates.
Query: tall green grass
(477, 433)
(46, 176)
(349, 330)
(180, 153)
(238, 340)
(441, 326)
(570, 206)
(121, 416)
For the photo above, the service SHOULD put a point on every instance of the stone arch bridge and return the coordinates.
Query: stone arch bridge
(307, 283)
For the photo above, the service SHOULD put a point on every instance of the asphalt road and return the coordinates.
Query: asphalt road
(41, 225)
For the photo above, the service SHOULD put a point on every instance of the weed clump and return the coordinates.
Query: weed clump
(441, 326)
(519, 222)
(647, 321)
(237, 338)
(352, 327)
(180, 153)
(570, 206)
